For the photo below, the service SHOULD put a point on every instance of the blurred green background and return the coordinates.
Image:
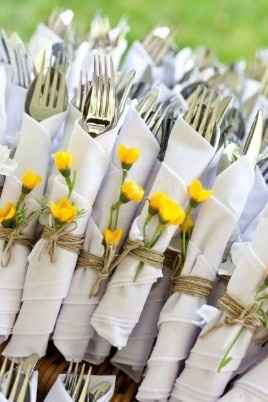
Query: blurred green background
(233, 28)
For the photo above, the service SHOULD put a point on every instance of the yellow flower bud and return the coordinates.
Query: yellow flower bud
(7, 212)
(156, 200)
(30, 180)
(198, 193)
(187, 224)
(112, 237)
(64, 211)
(63, 161)
(127, 156)
(171, 213)
(131, 191)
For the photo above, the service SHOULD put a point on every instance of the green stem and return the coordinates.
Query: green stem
(69, 184)
(139, 268)
(226, 358)
(183, 232)
(20, 200)
(146, 223)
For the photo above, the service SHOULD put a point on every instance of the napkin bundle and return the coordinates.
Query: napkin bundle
(179, 322)
(71, 334)
(133, 357)
(35, 140)
(201, 376)
(47, 283)
(121, 306)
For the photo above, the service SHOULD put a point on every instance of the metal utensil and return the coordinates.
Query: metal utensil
(48, 94)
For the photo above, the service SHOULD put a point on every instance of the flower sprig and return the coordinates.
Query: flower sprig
(166, 211)
(261, 316)
(198, 194)
(64, 161)
(64, 211)
(14, 217)
(129, 191)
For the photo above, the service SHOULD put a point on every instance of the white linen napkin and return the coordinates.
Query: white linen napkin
(97, 349)
(121, 306)
(138, 59)
(33, 389)
(4, 79)
(47, 284)
(58, 392)
(71, 336)
(215, 223)
(133, 357)
(35, 140)
(42, 40)
(201, 374)
(15, 104)
(251, 387)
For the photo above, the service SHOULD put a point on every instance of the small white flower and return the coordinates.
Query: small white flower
(7, 165)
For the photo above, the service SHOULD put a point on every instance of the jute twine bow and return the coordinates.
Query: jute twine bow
(10, 237)
(106, 265)
(193, 285)
(236, 313)
(63, 238)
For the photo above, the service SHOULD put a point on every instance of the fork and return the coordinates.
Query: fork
(81, 91)
(205, 113)
(22, 68)
(100, 108)
(48, 94)
(157, 43)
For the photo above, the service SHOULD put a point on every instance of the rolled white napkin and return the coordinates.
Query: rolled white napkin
(201, 374)
(42, 40)
(133, 357)
(15, 101)
(58, 392)
(251, 387)
(4, 79)
(122, 304)
(33, 389)
(46, 283)
(35, 140)
(71, 336)
(137, 58)
(215, 223)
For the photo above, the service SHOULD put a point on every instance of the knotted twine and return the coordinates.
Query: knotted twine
(235, 313)
(10, 237)
(105, 265)
(63, 238)
(193, 285)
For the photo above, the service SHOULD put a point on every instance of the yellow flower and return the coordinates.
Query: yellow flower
(7, 212)
(156, 200)
(198, 193)
(63, 161)
(127, 156)
(187, 224)
(131, 191)
(112, 237)
(63, 210)
(30, 180)
(171, 213)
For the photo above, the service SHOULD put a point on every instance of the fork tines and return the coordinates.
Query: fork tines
(205, 112)
(81, 91)
(15, 378)
(100, 106)
(77, 381)
(157, 43)
(48, 94)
